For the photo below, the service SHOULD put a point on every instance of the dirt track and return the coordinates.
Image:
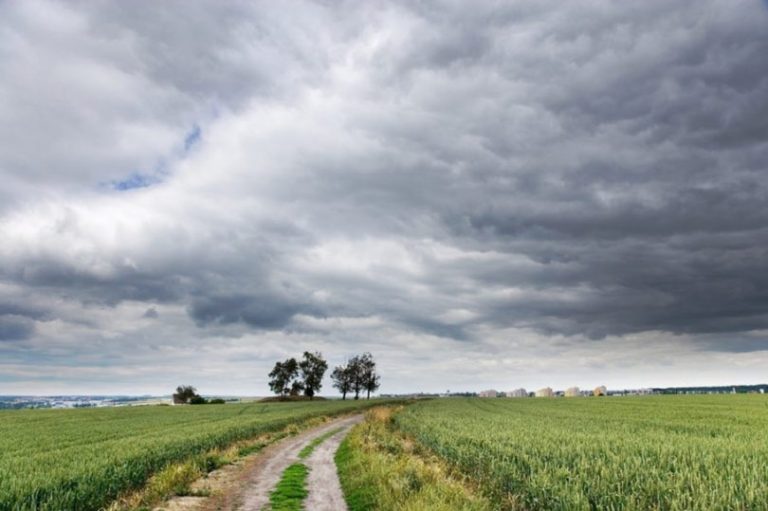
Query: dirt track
(246, 485)
(323, 482)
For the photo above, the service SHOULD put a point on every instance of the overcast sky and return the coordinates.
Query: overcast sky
(481, 194)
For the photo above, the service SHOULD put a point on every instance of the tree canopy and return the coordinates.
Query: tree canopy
(313, 368)
(357, 375)
(292, 378)
(342, 379)
(283, 378)
(184, 394)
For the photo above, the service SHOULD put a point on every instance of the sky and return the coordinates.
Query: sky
(498, 195)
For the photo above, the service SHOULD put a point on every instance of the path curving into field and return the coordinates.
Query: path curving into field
(323, 482)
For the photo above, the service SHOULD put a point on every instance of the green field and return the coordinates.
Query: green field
(83, 459)
(659, 452)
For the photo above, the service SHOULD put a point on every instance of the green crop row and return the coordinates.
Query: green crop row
(83, 459)
(627, 453)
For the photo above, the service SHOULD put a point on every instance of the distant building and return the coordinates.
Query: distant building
(517, 393)
(488, 393)
(572, 392)
(600, 391)
(545, 392)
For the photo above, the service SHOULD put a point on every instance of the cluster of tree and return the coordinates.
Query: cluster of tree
(187, 394)
(357, 375)
(291, 378)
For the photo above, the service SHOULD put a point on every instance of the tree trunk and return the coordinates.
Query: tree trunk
(369, 394)
(343, 396)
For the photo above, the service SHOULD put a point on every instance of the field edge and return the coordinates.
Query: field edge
(380, 468)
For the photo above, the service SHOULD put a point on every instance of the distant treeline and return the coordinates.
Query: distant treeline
(723, 389)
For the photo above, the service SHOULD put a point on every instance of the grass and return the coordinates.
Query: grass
(87, 458)
(176, 479)
(291, 490)
(660, 452)
(382, 469)
(306, 452)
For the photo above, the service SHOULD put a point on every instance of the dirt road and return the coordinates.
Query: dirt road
(323, 482)
(246, 484)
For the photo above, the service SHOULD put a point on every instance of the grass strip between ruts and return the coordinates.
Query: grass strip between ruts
(310, 447)
(290, 492)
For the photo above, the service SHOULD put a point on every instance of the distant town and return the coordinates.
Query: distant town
(80, 401)
(76, 401)
(597, 391)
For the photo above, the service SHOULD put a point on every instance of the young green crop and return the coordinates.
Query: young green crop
(631, 453)
(83, 459)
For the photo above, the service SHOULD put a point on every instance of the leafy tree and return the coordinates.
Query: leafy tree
(313, 369)
(342, 379)
(184, 394)
(355, 367)
(297, 386)
(283, 377)
(370, 380)
(364, 375)
(198, 400)
(358, 375)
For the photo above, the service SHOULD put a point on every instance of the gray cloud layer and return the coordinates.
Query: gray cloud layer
(407, 175)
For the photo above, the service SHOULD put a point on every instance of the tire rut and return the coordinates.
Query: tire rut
(323, 482)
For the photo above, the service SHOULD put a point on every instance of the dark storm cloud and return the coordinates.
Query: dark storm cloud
(265, 311)
(15, 328)
(585, 169)
(9, 308)
(124, 284)
(652, 197)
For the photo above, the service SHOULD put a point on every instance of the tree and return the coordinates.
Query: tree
(184, 394)
(296, 387)
(198, 400)
(373, 384)
(371, 380)
(359, 374)
(355, 367)
(313, 369)
(283, 378)
(342, 379)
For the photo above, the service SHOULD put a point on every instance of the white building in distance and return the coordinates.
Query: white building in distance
(517, 393)
(488, 393)
(545, 392)
(572, 392)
